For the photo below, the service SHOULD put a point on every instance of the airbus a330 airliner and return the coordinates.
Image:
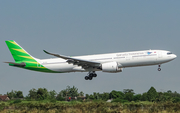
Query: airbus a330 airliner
(112, 62)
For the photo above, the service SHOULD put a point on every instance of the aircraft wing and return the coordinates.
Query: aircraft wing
(80, 62)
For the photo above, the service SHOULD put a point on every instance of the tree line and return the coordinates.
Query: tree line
(127, 95)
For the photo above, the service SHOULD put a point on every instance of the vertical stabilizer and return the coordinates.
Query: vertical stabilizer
(18, 53)
(23, 59)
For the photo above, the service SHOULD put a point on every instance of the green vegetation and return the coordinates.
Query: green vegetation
(90, 107)
(15, 94)
(42, 100)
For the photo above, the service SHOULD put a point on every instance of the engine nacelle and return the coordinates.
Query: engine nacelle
(111, 67)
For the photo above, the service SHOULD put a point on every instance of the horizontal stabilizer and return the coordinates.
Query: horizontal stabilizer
(22, 64)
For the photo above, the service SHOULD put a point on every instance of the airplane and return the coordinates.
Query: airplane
(112, 62)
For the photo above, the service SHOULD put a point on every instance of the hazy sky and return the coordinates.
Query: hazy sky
(79, 27)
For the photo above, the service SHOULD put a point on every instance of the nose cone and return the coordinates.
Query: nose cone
(173, 56)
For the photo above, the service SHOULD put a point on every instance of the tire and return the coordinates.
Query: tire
(91, 75)
(90, 78)
(159, 69)
(95, 75)
(86, 77)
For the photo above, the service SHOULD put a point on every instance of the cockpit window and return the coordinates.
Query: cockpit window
(169, 53)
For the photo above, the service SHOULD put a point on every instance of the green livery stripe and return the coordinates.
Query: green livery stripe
(20, 50)
(41, 69)
(26, 57)
(31, 62)
(20, 55)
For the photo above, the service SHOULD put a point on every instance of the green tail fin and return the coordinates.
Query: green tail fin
(18, 53)
(23, 59)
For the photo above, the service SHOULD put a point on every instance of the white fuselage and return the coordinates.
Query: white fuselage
(123, 59)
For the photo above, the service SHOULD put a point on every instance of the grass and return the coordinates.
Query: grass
(88, 107)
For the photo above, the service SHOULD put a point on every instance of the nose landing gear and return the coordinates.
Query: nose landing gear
(159, 69)
(90, 76)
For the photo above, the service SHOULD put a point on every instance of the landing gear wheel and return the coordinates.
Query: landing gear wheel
(86, 77)
(95, 75)
(159, 69)
(90, 78)
(91, 75)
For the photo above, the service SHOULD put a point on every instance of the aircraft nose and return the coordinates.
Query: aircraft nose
(175, 56)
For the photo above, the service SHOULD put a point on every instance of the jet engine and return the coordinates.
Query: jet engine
(111, 67)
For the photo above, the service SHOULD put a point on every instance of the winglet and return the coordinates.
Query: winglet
(60, 56)
(46, 52)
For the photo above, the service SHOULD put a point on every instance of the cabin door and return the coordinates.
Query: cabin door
(159, 54)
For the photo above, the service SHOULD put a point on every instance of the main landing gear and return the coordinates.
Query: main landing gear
(159, 69)
(90, 76)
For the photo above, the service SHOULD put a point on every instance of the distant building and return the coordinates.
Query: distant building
(4, 98)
